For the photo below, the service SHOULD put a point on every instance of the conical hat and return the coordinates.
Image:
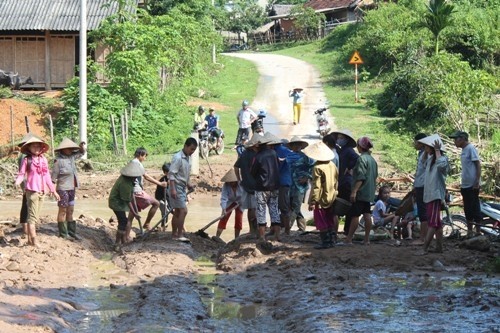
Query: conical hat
(253, 141)
(429, 141)
(25, 147)
(67, 143)
(296, 139)
(25, 138)
(319, 152)
(346, 132)
(133, 169)
(272, 139)
(230, 176)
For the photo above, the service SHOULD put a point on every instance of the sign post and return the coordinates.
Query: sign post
(356, 60)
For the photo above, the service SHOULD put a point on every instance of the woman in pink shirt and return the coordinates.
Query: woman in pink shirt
(38, 181)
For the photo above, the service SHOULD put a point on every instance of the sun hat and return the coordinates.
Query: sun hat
(34, 139)
(348, 134)
(296, 139)
(25, 138)
(460, 134)
(429, 141)
(298, 89)
(67, 143)
(365, 143)
(254, 141)
(319, 152)
(230, 176)
(133, 169)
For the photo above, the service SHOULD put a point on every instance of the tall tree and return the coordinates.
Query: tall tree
(438, 17)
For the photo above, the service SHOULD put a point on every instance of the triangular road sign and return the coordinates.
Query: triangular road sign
(356, 59)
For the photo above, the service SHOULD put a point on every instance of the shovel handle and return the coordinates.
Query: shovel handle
(218, 218)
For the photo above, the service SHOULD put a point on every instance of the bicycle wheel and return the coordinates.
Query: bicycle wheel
(455, 225)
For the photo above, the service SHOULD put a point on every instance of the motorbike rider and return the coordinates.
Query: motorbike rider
(212, 121)
(199, 118)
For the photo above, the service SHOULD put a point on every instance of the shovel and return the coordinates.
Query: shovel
(202, 232)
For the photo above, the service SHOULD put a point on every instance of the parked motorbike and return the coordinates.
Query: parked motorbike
(210, 140)
(491, 218)
(322, 122)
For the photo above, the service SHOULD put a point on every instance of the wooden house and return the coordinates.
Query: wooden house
(40, 38)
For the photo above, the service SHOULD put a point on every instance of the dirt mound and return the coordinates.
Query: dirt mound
(20, 111)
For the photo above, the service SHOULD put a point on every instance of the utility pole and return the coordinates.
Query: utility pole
(83, 74)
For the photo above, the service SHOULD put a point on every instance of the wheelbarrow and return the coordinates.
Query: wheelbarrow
(202, 232)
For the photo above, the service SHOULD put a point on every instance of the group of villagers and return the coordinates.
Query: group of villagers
(37, 180)
(273, 175)
(270, 175)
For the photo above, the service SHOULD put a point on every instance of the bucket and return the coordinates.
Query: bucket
(341, 207)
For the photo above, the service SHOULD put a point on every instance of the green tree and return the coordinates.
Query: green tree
(307, 21)
(438, 17)
(245, 16)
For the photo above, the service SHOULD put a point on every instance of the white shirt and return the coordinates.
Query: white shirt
(245, 117)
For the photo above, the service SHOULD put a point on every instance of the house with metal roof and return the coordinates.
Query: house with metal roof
(40, 38)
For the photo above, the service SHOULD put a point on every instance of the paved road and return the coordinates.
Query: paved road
(279, 74)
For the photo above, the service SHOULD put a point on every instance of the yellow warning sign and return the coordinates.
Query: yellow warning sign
(356, 59)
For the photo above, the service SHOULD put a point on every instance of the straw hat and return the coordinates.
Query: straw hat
(133, 169)
(296, 139)
(298, 89)
(230, 176)
(25, 138)
(429, 141)
(348, 134)
(67, 143)
(319, 152)
(26, 146)
(254, 141)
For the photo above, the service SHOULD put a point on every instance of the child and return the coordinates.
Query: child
(409, 220)
(380, 213)
(36, 169)
(324, 182)
(231, 197)
(161, 194)
(120, 198)
(64, 174)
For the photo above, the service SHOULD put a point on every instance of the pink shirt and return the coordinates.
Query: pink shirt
(38, 178)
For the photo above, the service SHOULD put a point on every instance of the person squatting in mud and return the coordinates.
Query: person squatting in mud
(35, 172)
(120, 198)
(230, 199)
(64, 173)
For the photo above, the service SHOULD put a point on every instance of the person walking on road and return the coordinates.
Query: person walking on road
(297, 95)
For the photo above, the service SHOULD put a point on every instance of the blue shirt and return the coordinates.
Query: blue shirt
(300, 168)
(347, 161)
(212, 121)
(284, 167)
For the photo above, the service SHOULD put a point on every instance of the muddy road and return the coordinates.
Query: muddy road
(158, 285)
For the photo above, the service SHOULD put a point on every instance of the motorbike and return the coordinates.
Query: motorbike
(258, 124)
(210, 140)
(322, 122)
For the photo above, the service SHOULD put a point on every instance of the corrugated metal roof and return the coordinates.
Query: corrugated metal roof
(328, 4)
(57, 15)
(281, 9)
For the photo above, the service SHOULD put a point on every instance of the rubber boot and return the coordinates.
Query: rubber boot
(63, 229)
(72, 230)
(332, 237)
(325, 243)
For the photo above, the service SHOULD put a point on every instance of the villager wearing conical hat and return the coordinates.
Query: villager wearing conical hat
(64, 173)
(297, 94)
(23, 214)
(265, 171)
(323, 191)
(285, 180)
(364, 176)
(347, 160)
(35, 169)
(230, 199)
(436, 170)
(121, 196)
(142, 199)
(301, 171)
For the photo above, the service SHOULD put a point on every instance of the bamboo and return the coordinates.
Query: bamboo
(124, 139)
(51, 135)
(113, 131)
(12, 127)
